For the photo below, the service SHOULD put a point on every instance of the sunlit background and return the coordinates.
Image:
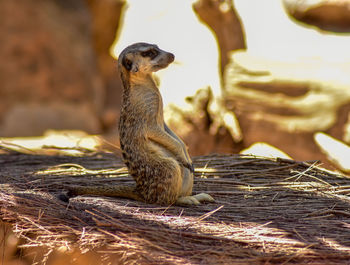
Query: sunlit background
(262, 77)
(270, 78)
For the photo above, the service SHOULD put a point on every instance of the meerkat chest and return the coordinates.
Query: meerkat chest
(148, 105)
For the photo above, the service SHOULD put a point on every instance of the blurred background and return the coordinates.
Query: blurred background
(270, 78)
(262, 77)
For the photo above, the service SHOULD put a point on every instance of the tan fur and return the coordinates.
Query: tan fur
(155, 156)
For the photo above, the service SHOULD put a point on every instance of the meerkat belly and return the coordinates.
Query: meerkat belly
(157, 174)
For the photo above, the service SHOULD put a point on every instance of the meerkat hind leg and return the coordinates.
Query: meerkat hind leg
(204, 197)
(194, 199)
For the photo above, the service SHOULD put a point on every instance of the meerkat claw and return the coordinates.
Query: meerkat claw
(189, 166)
(192, 168)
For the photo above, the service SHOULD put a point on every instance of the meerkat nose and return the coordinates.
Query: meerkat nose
(172, 57)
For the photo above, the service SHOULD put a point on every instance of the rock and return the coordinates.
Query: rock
(284, 104)
(264, 150)
(72, 142)
(288, 84)
(48, 60)
(31, 119)
(325, 14)
(105, 22)
(276, 36)
(336, 151)
(222, 18)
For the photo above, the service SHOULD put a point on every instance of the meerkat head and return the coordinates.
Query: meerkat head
(143, 58)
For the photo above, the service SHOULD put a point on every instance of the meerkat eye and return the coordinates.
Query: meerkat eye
(152, 53)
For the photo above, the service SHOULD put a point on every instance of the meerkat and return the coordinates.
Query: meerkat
(155, 156)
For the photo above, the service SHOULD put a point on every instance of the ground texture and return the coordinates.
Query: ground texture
(266, 211)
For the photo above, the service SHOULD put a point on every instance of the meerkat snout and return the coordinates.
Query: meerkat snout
(165, 59)
(171, 57)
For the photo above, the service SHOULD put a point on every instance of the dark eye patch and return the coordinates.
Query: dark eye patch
(152, 53)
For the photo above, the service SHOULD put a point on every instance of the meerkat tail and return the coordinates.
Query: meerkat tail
(122, 191)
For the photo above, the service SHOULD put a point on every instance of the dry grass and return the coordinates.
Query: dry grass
(266, 211)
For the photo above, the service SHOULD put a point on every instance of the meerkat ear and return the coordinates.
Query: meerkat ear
(134, 68)
(130, 66)
(127, 64)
